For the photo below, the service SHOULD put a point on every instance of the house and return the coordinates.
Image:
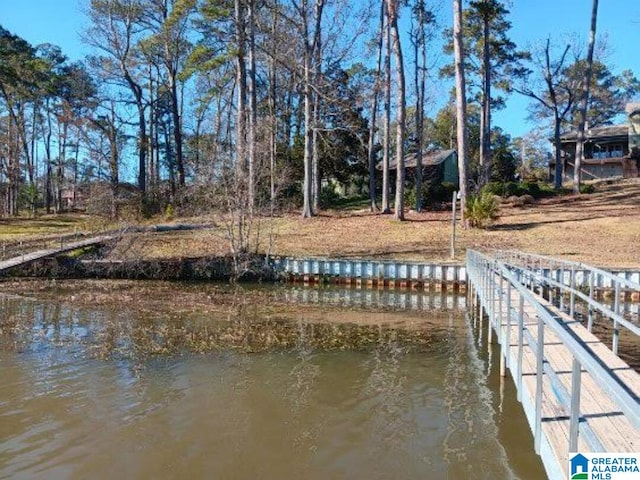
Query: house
(439, 165)
(609, 152)
(74, 196)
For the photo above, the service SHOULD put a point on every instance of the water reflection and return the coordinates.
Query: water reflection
(87, 394)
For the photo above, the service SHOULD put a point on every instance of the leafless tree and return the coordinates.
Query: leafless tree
(116, 31)
(555, 95)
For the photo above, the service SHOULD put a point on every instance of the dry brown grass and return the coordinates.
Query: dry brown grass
(601, 229)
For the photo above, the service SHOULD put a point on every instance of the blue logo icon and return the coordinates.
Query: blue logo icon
(579, 467)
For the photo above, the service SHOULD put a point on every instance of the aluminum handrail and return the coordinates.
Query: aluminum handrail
(568, 264)
(616, 317)
(564, 396)
(628, 402)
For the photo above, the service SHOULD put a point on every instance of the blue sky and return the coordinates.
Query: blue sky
(535, 20)
(60, 22)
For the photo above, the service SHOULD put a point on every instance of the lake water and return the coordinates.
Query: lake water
(125, 380)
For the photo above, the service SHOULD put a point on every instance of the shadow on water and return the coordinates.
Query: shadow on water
(174, 381)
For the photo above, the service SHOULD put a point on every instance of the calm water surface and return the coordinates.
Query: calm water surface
(255, 386)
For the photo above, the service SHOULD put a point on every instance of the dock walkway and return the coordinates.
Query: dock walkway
(51, 252)
(577, 394)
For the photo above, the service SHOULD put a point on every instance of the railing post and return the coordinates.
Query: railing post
(481, 297)
(561, 282)
(574, 420)
(500, 329)
(520, 344)
(616, 328)
(507, 342)
(492, 314)
(572, 285)
(539, 384)
(590, 308)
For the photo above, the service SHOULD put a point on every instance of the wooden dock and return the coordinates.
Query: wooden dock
(51, 252)
(577, 394)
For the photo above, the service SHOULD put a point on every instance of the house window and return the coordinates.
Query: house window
(608, 151)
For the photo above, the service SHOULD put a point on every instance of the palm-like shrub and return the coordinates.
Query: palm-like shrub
(482, 209)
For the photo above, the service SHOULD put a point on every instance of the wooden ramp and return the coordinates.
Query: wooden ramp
(578, 396)
(51, 252)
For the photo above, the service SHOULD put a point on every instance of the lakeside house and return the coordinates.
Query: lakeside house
(438, 165)
(609, 152)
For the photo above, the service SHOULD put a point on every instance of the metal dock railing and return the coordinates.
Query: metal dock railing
(578, 395)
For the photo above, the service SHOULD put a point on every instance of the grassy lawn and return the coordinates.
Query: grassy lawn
(602, 228)
(15, 229)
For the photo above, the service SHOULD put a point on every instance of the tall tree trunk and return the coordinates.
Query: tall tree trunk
(311, 43)
(400, 109)
(152, 128)
(273, 130)
(485, 130)
(557, 179)
(241, 81)
(48, 167)
(308, 144)
(31, 166)
(315, 157)
(114, 152)
(143, 139)
(13, 167)
(317, 71)
(60, 171)
(420, 58)
(16, 113)
(253, 107)
(75, 172)
(142, 149)
(317, 65)
(584, 103)
(461, 104)
(177, 128)
(386, 134)
(374, 114)
(308, 112)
